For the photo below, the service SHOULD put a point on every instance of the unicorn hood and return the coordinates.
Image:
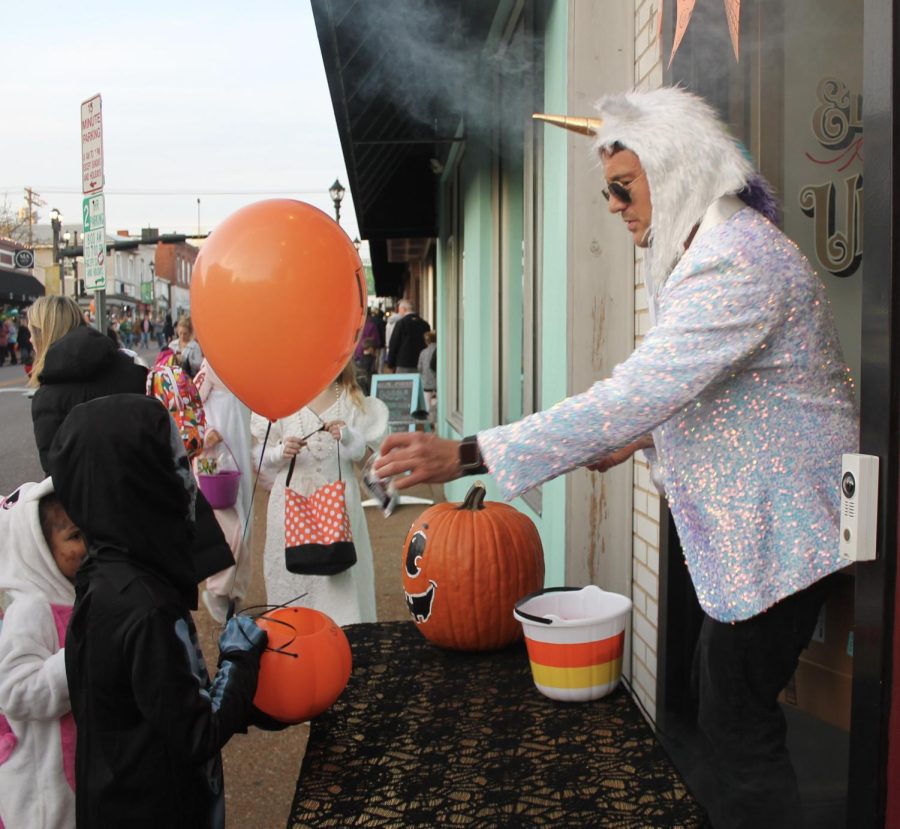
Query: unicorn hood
(689, 160)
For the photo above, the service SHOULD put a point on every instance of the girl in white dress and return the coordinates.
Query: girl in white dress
(340, 414)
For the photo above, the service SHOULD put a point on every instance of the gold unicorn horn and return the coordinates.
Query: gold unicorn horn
(581, 125)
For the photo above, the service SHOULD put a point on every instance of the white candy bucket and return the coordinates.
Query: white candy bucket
(575, 639)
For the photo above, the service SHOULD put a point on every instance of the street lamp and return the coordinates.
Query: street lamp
(357, 243)
(56, 224)
(336, 191)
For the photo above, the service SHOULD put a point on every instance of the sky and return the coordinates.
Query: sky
(226, 102)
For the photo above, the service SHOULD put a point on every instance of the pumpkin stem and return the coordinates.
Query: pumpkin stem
(474, 499)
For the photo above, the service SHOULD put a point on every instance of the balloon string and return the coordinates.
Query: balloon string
(247, 519)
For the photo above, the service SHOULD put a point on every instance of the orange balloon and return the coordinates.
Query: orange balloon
(305, 666)
(278, 301)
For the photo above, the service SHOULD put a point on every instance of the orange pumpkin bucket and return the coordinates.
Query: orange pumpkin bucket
(305, 667)
(575, 639)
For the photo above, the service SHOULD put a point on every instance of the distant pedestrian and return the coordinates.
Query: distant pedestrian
(26, 349)
(4, 340)
(11, 340)
(125, 331)
(168, 328)
(390, 323)
(364, 355)
(146, 330)
(407, 340)
(366, 365)
(158, 334)
(187, 350)
(426, 369)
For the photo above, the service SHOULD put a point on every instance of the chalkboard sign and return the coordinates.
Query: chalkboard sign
(402, 394)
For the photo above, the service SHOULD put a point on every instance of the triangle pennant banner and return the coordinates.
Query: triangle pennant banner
(683, 14)
(733, 13)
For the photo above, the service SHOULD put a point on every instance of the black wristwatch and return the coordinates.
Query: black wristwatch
(470, 460)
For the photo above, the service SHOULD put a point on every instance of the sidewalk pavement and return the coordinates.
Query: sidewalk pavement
(261, 768)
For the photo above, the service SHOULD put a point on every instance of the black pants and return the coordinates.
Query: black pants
(741, 669)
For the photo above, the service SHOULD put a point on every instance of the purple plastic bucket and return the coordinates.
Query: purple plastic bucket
(220, 489)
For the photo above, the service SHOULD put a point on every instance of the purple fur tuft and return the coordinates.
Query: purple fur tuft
(758, 194)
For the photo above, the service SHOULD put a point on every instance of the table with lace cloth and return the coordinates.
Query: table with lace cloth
(424, 737)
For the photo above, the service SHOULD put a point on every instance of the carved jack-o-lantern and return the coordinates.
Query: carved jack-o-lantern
(464, 568)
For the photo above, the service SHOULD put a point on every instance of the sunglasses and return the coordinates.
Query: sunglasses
(621, 191)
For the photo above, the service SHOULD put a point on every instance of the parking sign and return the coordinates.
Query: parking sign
(93, 210)
(91, 145)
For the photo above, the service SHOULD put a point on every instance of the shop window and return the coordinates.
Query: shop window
(795, 99)
(517, 211)
(519, 93)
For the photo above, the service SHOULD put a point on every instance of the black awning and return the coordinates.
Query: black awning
(398, 110)
(390, 277)
(19, 288)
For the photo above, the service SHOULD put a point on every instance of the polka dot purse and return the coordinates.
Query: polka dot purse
(317, 536)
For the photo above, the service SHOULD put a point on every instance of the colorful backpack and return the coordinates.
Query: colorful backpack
(173, 387)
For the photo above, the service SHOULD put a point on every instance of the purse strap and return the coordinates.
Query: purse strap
(287, 481)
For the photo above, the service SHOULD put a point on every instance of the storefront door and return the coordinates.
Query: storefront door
(794, 95)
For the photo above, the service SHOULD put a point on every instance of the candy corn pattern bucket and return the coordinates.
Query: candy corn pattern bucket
(575, 639)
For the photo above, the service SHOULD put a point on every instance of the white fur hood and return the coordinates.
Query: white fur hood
(26, 563)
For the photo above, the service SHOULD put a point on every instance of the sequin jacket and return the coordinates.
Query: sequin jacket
(743, 382)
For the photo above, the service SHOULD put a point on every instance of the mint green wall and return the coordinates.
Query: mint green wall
(481, 302)
(554, 311)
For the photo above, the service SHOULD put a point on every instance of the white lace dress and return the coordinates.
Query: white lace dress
(347, 597)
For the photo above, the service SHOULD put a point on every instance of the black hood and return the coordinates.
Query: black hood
(78, 356)
(120, 471)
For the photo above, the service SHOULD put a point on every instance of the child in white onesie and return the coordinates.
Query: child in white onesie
(40, 550)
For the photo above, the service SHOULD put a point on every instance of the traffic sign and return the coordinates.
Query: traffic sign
(24, 258)
(93, 213)
(91, 145)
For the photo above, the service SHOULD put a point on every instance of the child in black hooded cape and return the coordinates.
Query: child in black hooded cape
(150, 724)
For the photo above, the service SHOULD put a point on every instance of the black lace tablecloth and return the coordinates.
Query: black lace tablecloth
(424, 737)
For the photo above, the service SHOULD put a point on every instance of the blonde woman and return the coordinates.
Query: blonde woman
(73, 363)
(186, 348)
(340, 416)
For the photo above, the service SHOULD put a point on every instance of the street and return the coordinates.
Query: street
(17, 448)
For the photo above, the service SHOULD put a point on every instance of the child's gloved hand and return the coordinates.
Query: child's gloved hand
(241, 635)
(266, 723)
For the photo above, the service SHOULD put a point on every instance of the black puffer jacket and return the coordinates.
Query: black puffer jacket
(79, 367)
(84, 365)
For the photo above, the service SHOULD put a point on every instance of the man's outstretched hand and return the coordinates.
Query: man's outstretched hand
(620, 455)
(427, 458)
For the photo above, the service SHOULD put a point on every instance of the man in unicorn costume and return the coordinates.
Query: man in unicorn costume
(40, 550)
(741, 389)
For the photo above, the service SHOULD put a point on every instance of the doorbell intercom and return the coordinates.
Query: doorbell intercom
(859, 506)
